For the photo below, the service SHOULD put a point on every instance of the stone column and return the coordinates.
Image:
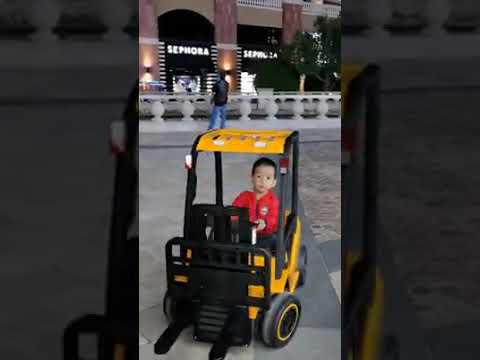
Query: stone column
(16, 18)
(436, 14)
(464, 15)
(292, 20)
(355, 16)
(45, 15)
(148, 38)
(80, 18)
(379, 13)
(116, 14)
(226, 19)
(408, 16)
(131, 27)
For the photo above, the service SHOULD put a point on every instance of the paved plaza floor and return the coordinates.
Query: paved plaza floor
(161, 215)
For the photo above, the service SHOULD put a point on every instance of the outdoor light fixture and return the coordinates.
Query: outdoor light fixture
(148, 69)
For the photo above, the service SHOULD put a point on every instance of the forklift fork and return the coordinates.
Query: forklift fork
(171, 334)
(88, 324)
(225, 340)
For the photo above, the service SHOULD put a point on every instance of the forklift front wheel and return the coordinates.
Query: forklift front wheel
(281, 320)
(168, 307)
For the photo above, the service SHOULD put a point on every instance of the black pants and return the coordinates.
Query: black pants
(267, 242)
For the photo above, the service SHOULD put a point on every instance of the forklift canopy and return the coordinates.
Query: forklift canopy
(245, 141)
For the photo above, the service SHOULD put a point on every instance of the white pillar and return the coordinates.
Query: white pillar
(245, 109)
(379, 13)
(17, 13)
(437, 14)
(44, 15)
(271, 109)
(298, 109)
(408, 14)
(116, 14)
(464, 14)
(355, 14)
(158, 110)
(80, 9)
(322, 108)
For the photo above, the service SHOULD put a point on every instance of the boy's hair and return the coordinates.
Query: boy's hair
(222, 74)
(264, 161)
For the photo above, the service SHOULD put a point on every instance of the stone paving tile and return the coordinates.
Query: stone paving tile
(320, 192)
(429, 190)
(320, 188)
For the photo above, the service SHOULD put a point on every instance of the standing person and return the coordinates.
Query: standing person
(219, 99)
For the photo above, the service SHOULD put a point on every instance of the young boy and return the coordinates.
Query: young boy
(262, 203)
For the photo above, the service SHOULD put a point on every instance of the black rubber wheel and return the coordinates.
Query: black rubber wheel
(281, 321)
(302, 266)
(168, 307)
(390, 349)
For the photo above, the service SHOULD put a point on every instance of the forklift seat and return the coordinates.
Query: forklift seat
(218, 219)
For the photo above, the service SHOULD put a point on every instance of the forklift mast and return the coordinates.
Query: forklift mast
(289, 156)
(117, 329)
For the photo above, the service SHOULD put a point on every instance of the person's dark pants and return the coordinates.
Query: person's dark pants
(267, 242)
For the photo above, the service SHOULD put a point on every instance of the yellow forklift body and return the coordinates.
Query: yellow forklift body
(244, 141)
(349, 72)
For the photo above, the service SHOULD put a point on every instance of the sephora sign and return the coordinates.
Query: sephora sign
(258, 54)
(187, 50)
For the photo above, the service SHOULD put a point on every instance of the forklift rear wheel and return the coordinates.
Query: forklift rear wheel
(168, 307)
(281, 320)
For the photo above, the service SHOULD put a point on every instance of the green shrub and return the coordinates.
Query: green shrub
(276, 75)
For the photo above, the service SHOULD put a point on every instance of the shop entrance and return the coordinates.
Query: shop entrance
(188, 55)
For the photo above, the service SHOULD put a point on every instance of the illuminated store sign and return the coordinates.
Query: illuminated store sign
(188, 50)
(257, 54)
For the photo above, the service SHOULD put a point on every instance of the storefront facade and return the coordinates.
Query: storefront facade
(193, 66)
(183, 46)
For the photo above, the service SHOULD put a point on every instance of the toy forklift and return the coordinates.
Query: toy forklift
(363, 335)
(218, 278)
(117, 330)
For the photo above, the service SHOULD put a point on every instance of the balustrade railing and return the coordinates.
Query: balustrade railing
(279, 105)
(46, 19)
(410, 29)
(410, 16)
(266, 4)
(310, 8)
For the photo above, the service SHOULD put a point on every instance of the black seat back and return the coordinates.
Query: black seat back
(218, 219)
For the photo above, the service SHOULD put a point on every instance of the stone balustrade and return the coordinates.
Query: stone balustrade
(271, 107)
(316, 9)
(410, 16)
(410, 29)
(310, 8)
(46, 19)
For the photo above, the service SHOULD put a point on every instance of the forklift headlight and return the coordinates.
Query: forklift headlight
(180, 278)
(256, 291)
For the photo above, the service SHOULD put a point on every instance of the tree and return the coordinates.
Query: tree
(316, 55)
(276, 75)
(330, 36)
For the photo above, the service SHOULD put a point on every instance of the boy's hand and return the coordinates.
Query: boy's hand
(260, 224)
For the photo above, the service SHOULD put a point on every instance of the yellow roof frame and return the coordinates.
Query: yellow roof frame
(349, 72)
(244, 141)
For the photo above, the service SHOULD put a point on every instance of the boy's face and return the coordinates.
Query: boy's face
(263, 179)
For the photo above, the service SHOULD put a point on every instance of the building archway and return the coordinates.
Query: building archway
(185, 25)
(187, 51)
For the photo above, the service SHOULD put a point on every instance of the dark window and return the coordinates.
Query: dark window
(185, 25)
(258, 35)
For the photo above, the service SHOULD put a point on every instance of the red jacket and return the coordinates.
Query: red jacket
(265, 208)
